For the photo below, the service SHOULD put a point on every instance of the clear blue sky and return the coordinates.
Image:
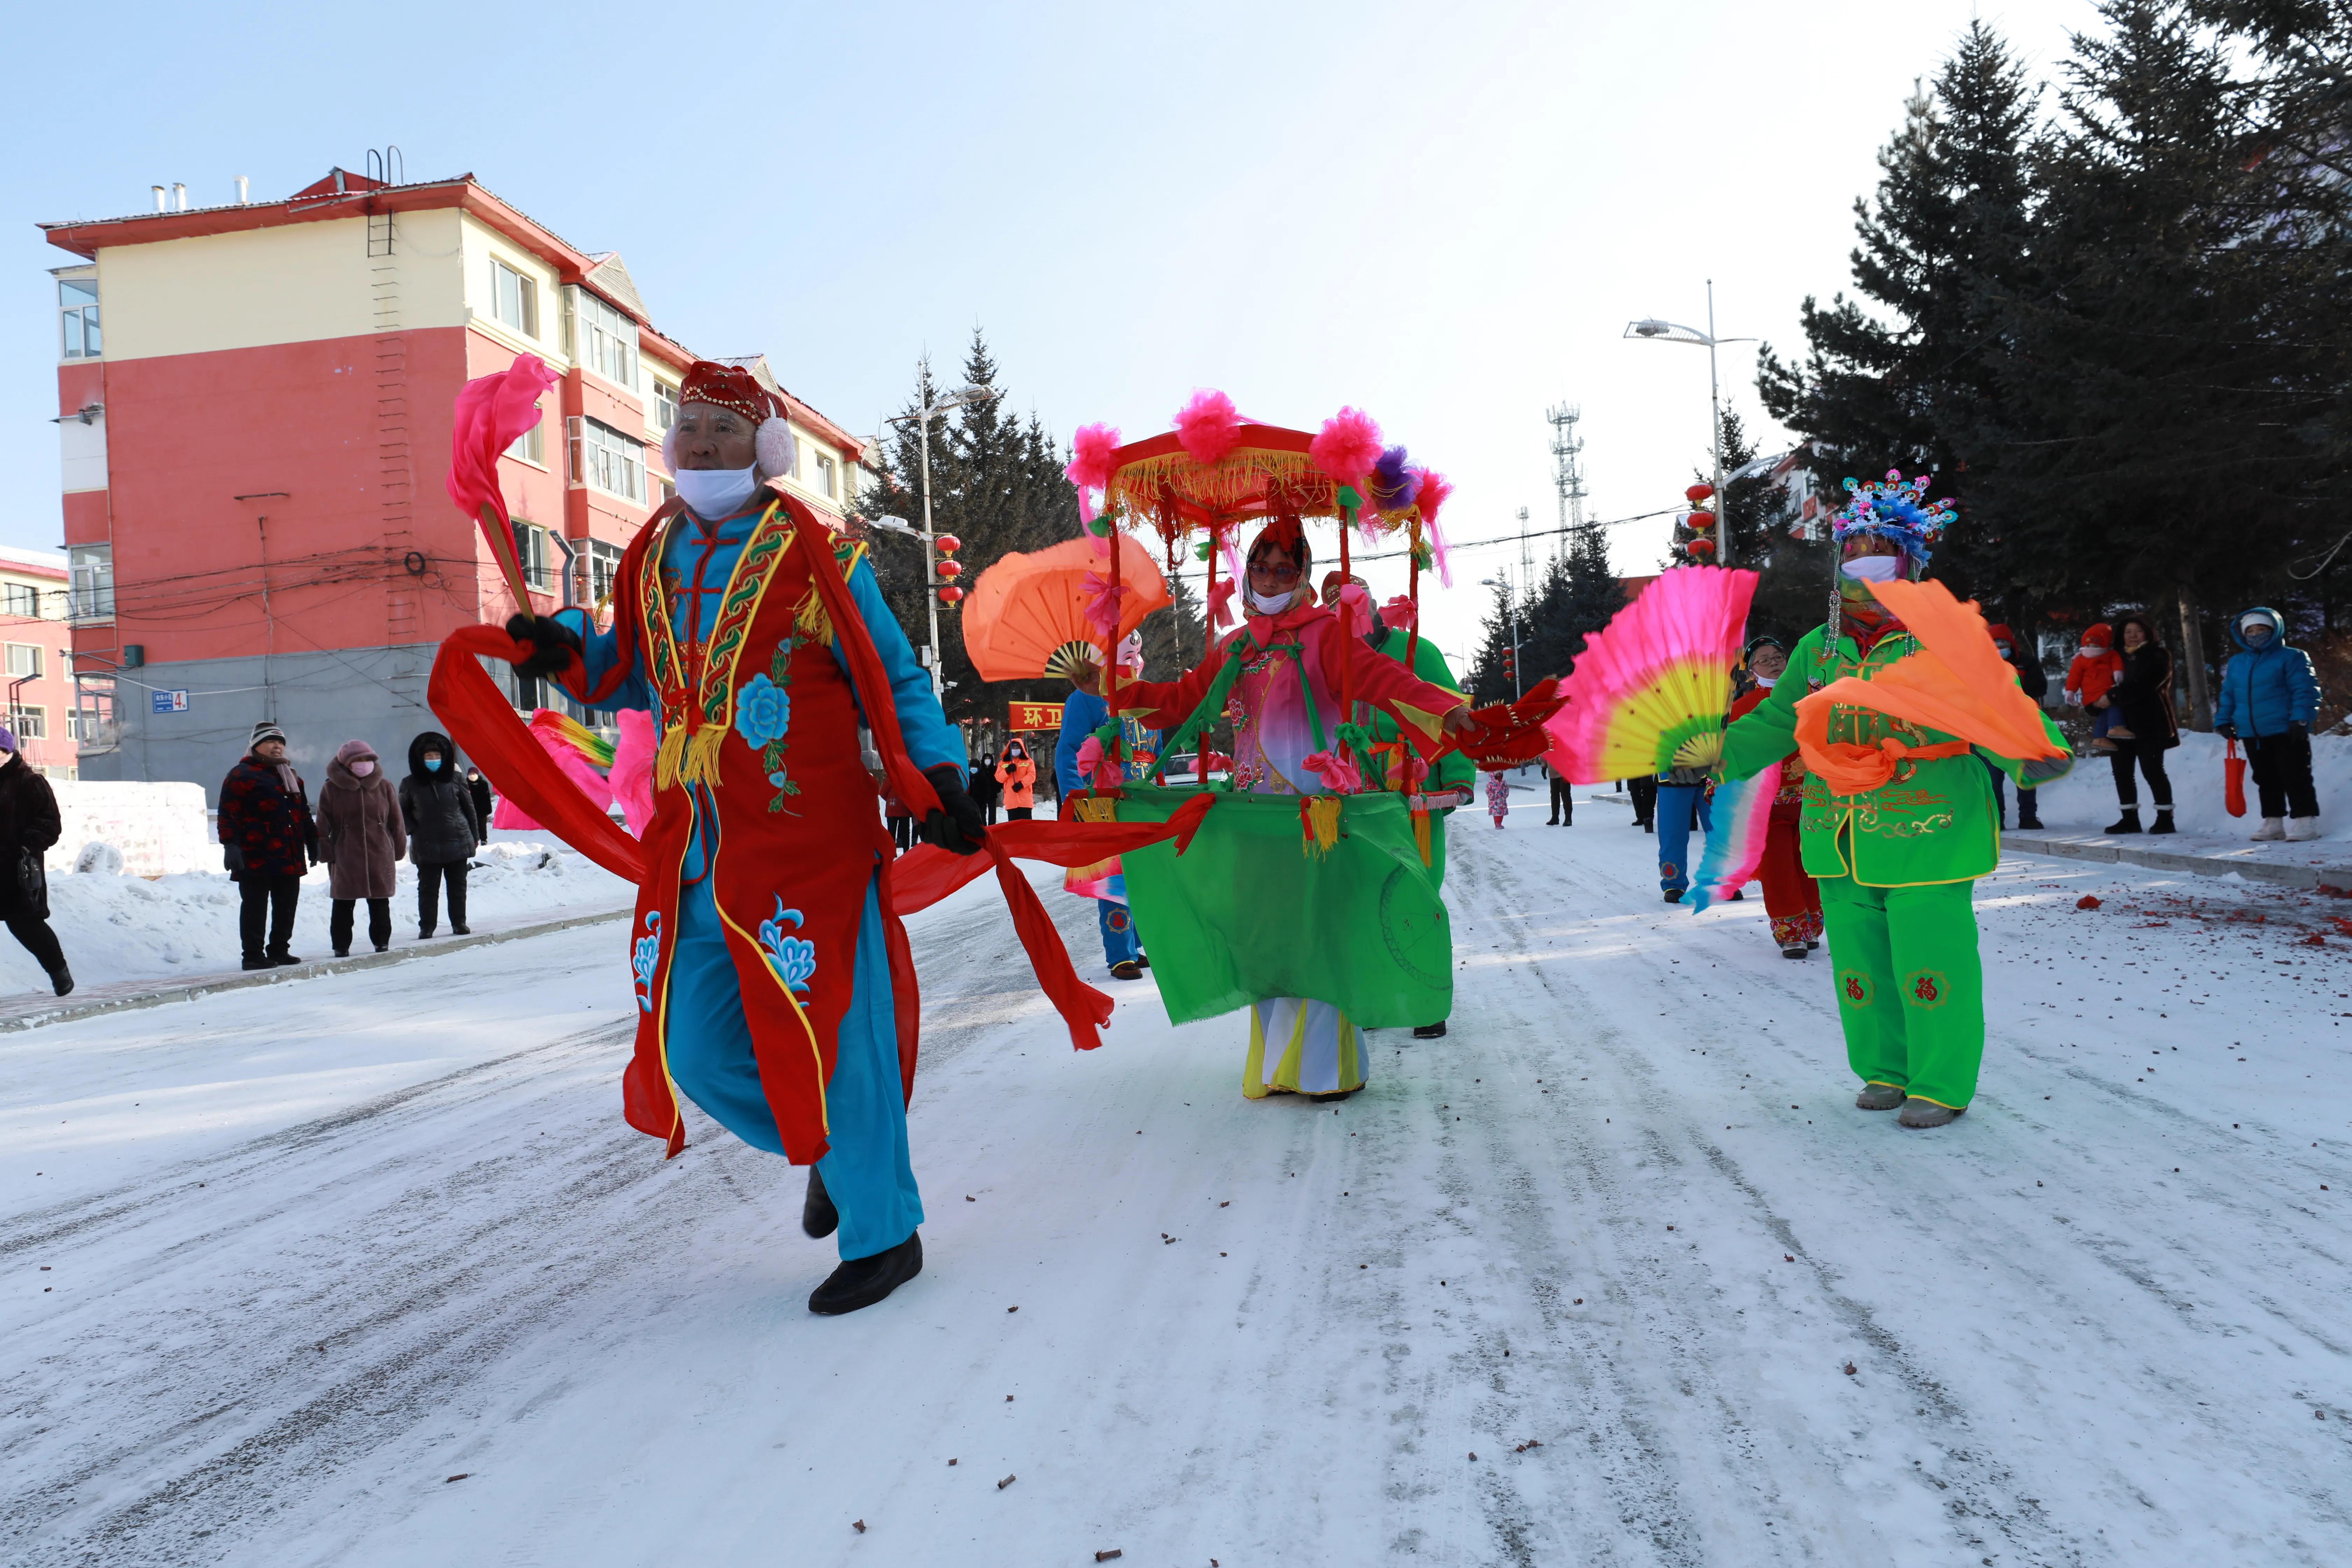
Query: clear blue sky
(1444, 215)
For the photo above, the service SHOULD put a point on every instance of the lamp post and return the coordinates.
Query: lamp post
(923, 417)
(1651, 330)
(1512, 601)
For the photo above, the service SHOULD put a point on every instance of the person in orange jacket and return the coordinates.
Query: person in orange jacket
(1018, 774)
(2093, 674)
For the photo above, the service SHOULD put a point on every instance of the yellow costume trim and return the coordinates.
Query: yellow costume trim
(1319, 822)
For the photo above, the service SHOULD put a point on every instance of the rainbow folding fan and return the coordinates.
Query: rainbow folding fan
(1650, 689)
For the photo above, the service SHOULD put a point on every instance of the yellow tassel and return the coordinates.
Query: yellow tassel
(811, 622)
(667, 758)
(701, 761)
(1096, 807)
(1421, 834)
(1321, 818)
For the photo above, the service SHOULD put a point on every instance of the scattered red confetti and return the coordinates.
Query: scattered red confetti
(2086, 903)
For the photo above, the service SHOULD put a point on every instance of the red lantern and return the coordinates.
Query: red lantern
(949, 595)
(948, 569)
(946, 545)
(1701, 546)
(1699, 521)
(1699, 492)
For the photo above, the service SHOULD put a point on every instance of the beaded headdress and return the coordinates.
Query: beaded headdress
(1893, 509)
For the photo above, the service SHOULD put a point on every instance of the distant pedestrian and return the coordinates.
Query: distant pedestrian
(479, 789)
(362, 839)
(2095, 668)
(269, 840)
(2035, 681)
(1644, 791)
(2269, 697)
(1564, 797)
(2144, 729)
(1682, 800)
(1498, 798)
(28, 825)
(983, 789)
(437, 808)
(1017, 775)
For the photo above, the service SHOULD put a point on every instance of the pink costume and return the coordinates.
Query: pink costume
(1296, 1044)
(1498, 798)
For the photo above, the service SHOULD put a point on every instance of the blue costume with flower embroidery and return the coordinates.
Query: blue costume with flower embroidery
(865, 1169)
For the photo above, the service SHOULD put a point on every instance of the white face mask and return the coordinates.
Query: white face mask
(1874, 568)
(1271, 606)
(715, 493)
(363, 767)
(1766, 681)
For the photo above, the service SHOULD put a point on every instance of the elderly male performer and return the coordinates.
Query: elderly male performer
(762, 959)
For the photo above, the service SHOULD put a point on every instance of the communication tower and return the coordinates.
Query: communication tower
(1567, 471)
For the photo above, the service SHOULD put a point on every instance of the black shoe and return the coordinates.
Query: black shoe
(1431, 1031)
(2024, 823)
(1796, 949)
(282, 959)
(458, 928)
(818, 1216)
(862, 1281)
(261, 963)
(2163, 823)
(384, 947)
(1142, 961)
(1127, 968)
(342, 953)
(1737, 894)
(424, 933)
(1647, 829)
(61, 979)
(2127, 823)
(1674, 895)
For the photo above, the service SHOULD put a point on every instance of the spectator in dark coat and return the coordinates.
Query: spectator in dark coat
(269, 841)
(436, 806)
(362, 839)
(983, 788)
(479, 789)
(2270, 698)
(2035, 681)
(2144, 729)
(28, 825)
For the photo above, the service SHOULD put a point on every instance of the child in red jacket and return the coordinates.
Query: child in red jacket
(2089, 679)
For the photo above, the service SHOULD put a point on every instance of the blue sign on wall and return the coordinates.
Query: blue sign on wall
(170, 701)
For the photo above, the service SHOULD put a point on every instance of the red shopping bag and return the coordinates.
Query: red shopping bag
(2234, 780)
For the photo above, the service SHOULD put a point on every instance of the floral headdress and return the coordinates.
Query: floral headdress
(1893, 509)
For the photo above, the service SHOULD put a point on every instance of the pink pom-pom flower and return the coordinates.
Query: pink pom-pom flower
(1347, 447)
(1090, 456)
(1355, 607)
(1209, 426)
(1093, 763)
(1434, 488)
(1400, 613)
(1338, 772)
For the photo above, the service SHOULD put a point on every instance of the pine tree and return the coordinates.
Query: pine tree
(1488, 681)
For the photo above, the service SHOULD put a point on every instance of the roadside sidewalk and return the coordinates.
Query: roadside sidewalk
(32, 1011)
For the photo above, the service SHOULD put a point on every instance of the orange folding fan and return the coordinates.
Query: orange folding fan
(1028, 615)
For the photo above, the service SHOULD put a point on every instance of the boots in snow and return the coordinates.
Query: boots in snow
(2163, 823)
(818, 1216)
(1923, 1113)
(282, 959)
(1796, 949)
(1878, 1097)
(2027, 819)
(61, 979)
(2300, 828)
(2127, 823)
(1431, 1031)
(2273, 827)
(260, 963)
(1127, 968)
(862, 1281)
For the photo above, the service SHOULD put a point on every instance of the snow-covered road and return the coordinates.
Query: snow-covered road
(281, 1262)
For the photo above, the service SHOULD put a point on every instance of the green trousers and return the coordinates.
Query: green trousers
(1910, 985)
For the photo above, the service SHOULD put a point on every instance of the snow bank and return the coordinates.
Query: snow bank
(2085, 798)
(158, 828)
(117, 927)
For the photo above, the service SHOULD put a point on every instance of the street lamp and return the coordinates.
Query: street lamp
(1651, 330)
(924, 415)
(1510, 600)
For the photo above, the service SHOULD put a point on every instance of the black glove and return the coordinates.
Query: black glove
(2297, 727)
(956, 825)
(2227, 731)
(553, 645)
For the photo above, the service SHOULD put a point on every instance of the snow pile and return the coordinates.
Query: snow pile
(2085, 798)
(118, 927)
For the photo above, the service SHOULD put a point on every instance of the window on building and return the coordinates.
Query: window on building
(608, 341)
(602, 457)
(92, 566)
(603, 566)
(78, 307)
(665, 405)
(532, 550)
(31, 724)
(514, 297)
(24, 659)
(20, 599)
(827, 477)
(531, 445)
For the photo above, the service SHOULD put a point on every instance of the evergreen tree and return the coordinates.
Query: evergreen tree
(1488, 682)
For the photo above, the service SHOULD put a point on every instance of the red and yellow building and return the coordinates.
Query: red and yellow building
(254, 406)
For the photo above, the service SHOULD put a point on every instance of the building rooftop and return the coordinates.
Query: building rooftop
(35, 563)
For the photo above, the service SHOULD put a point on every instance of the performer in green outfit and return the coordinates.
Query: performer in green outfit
(1454, 782)
(1896, 865)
